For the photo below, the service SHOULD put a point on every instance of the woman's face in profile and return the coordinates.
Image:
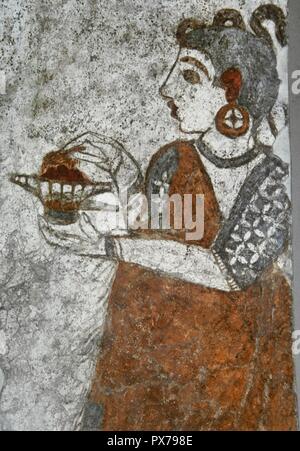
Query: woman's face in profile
(190, 92)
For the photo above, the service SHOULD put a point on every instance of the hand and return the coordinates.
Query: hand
(104, 159)
(81, 238)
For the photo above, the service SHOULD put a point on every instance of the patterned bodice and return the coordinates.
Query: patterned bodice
(257, 230)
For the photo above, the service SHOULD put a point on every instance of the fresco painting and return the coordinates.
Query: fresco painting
(196, 333)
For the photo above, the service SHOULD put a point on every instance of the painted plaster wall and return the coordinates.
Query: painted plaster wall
(71, 66)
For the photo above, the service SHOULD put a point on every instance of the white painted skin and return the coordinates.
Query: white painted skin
(54, 303)
(189, 263)
(197, 104)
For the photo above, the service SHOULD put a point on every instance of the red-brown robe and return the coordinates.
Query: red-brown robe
(179, 356)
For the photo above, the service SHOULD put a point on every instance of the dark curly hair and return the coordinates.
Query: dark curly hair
(229, 45)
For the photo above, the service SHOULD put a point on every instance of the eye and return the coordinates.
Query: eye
(191, 76)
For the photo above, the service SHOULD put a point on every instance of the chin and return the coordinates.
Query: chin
(192, 128)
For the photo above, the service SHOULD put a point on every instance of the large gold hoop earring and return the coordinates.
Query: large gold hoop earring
(232, 120)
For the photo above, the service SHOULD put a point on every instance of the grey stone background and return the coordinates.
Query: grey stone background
(72, 66)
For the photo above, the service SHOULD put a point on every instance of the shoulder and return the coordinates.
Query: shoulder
(266, 176)
(165, 162)
(173, 149)
(270, 189)
(272, 168)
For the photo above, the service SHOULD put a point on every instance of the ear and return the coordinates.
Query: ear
(232, 81)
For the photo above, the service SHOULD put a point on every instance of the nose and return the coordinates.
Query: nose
(164, 91)
(168, 89)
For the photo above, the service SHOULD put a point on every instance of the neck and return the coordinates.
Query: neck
(225, 152)
(224, 147)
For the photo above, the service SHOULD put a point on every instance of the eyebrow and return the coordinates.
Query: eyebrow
(195, 62)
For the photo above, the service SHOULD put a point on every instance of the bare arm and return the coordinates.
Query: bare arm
(90, 237)
(190, 263)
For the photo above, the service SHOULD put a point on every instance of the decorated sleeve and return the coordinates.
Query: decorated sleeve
(256, 234)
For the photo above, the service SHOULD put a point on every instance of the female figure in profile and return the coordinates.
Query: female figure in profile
(198, 333)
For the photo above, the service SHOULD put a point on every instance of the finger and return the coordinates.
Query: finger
(88, 227)
(92, 171)
(97, 149)
(94, 149)
(57, 238)
(77, 141)
(93, 167)
(101, 140)
(98, 161)
(97, 158)
(91, 137)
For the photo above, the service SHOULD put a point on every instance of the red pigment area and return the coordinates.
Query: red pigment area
(232, 81)
(62, 173)
(61, 167)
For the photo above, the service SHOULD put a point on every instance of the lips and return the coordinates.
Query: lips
(174, 109)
